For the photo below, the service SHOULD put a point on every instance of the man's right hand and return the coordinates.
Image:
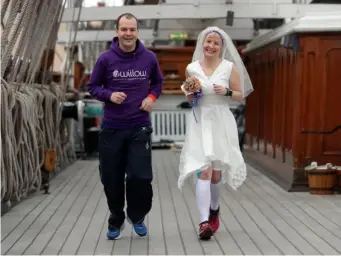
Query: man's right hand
(118, 97)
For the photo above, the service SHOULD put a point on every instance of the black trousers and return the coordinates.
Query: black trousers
(126, 170)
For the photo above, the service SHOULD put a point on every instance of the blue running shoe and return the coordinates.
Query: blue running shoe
(140, 229)
(114, 233)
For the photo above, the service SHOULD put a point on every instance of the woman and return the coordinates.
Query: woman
(211, 149)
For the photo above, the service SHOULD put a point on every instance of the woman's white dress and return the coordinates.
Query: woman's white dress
(212, 138)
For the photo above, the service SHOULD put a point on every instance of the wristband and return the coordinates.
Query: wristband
(228, 92)
(152, 97)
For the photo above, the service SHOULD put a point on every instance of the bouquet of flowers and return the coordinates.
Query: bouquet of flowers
(191, 86)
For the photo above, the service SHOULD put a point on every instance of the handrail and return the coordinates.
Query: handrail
(322, 132)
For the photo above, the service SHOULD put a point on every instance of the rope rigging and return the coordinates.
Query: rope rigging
(31, 110)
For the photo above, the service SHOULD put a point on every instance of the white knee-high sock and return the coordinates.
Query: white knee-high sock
(203, 196)
(215, 194)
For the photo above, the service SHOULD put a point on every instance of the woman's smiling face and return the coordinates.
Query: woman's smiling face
(212, 45)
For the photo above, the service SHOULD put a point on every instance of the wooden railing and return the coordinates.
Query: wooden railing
(296, 91)
(269, 115)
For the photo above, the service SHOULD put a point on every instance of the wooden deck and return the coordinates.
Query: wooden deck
(260, 218)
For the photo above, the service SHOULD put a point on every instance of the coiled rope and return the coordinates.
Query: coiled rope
(31, 114)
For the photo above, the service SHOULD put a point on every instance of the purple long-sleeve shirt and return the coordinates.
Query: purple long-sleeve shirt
(136, 73)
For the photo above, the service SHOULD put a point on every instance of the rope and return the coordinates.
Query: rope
(31, 122)
(67, 67)
(31, 114)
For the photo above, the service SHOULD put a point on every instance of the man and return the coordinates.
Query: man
(128, 79)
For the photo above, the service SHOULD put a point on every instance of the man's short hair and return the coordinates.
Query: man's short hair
(127, 16)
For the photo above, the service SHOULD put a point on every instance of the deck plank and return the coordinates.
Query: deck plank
(282, 226)
(279, 199)
(259, 218)
(16, 215)
(156, 243)
(104, 246)
(72, 212)
(94, 230)
(84, 219)
(172, 234)
(24, 234)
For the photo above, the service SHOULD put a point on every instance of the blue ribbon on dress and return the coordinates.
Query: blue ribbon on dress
(197, 96)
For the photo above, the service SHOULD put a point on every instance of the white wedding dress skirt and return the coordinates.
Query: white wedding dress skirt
(212, 137)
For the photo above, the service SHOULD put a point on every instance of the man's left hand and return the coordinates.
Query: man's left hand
(147, 104)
